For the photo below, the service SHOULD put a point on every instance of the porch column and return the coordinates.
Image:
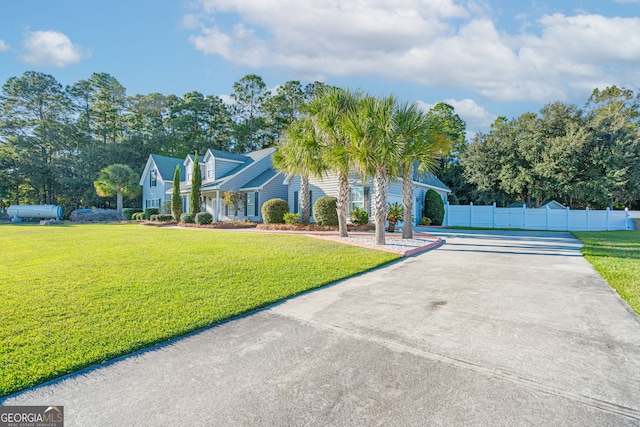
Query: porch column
(217, 206)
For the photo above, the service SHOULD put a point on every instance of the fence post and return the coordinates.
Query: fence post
(470, 214)
(607, 218)
(586, 211)
(568, 212)
(447, 211)
(493, 218)
(524, 216)
(546, 218)
(626, 219)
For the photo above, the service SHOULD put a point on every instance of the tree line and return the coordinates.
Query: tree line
(55, 140)
(587, 157)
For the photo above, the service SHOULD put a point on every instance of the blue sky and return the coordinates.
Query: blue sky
(485, 57)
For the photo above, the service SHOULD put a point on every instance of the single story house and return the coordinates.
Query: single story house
(253, 176)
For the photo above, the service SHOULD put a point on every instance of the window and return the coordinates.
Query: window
(152, 203)
(153, 178)
(251, 203)
(189, 176)
(210, 169)
(185, 204)
(357, 197)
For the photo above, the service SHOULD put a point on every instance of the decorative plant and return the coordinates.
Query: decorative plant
(291, 218)
(359, 216)
(395, 214)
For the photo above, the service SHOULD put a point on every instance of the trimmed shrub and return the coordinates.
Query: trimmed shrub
(138, 216)
(273, 211)
(453, 199)
(425, 221)
(359, 216)
(154, 218)
(204, 218)
(164, 217)
(434, 207)
(291, 218)
(127, 213)
(324, 211)
(186, 218)
(150, 211)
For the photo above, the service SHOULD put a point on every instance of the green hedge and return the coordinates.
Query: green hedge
(150, 211)
(324, 210)
(433, 207)
(273, 211)
(162, 217)
(204, 218)
(127, 213)
(186, 218)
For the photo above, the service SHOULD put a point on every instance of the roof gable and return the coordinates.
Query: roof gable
(429, 179)
(167, 166)
(261, 180)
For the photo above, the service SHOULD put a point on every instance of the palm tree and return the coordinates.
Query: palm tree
(374, 150)
(300, 153)
(421, 144)
(119, 180)
(327, 111)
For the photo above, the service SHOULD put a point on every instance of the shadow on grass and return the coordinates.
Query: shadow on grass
(614, 244)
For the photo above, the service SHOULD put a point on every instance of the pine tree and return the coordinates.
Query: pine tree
(176, 199)
(196, 182)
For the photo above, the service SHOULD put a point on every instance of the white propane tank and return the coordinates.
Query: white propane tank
(34, 211)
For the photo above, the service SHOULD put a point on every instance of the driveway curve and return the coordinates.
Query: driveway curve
(493, 328)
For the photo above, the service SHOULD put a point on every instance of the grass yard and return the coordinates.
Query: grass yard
(616, 256)
(74, 296)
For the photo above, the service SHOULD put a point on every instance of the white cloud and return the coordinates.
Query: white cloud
(439, 43)
(51, 48)
(3, 46)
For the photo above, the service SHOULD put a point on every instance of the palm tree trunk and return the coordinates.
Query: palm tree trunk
(380, 184)
(343, 202)
(304, 199)
(407, 200)
(119, 203)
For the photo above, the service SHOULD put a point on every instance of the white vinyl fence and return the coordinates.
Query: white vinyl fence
(537, 219)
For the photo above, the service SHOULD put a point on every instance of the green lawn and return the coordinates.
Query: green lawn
(616, 256)
(73, 296)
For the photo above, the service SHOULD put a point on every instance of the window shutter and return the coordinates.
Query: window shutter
(295, 202)
(367, 206)
(256, 203)
(246, 200)
(310, 203)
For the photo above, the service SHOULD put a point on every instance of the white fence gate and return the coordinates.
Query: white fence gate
(537, 219)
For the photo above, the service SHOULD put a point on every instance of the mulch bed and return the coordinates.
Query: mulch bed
(314, 227)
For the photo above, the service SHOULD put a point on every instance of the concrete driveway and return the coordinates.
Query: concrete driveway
(491, 329)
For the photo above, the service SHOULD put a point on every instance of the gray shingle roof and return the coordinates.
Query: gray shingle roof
(167, 166)
(429, 179)
(261, 179)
